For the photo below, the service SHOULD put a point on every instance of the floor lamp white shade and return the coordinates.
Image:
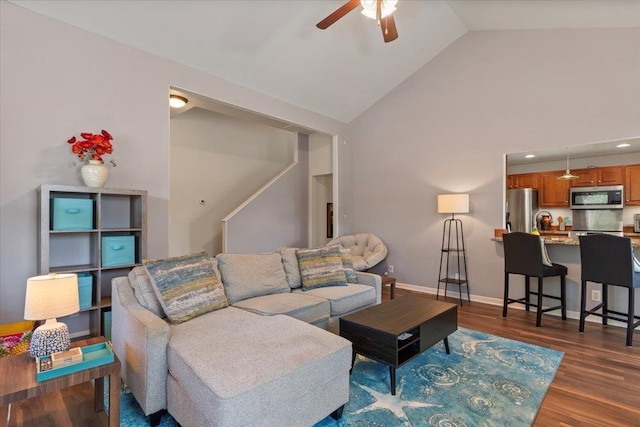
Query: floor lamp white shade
(454, 271)
(48, 297)
(453, 203)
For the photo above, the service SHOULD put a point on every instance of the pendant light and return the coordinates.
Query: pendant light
(568, 175)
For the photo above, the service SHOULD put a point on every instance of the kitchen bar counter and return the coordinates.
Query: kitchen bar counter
(563, 239)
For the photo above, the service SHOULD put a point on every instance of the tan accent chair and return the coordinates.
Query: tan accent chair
(367, 250)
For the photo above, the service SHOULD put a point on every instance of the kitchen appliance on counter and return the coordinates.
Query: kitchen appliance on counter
(636, 223)
(543, 220)
(522, 204)
(597, 210)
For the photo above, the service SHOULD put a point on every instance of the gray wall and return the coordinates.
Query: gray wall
(57, 81)
(321, 176)
(223, 161)
(447, 127)
(276, 217)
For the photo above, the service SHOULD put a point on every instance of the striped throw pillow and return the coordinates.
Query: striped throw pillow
(186, 286)
(347, 265)
(321, 267)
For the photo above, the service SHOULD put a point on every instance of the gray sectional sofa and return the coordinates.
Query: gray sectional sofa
(266, 359)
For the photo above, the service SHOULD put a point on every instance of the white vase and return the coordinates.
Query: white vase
(94, 174)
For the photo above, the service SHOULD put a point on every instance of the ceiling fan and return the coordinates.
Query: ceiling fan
(380, 10)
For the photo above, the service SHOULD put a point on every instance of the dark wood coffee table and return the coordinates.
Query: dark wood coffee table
(397, 331)
(388, 280)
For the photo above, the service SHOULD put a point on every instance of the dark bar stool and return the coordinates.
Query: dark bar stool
(523, 255)
(608, 260)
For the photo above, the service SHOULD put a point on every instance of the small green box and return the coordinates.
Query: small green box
(71, 214)
(106, 325)
(85, 289)
(118, 250)
(92, 356)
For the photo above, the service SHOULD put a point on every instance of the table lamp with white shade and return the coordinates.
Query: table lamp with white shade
(48, 297)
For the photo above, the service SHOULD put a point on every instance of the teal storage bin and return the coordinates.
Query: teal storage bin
(118, 250)
(106, 325)
(71, 214)
(85, 289)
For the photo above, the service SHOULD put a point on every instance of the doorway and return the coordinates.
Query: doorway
(322, 209)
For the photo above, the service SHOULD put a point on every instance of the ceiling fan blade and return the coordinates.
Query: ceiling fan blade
(389, 32)
(339, 13)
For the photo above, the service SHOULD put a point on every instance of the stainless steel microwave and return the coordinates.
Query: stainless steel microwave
(605, 197)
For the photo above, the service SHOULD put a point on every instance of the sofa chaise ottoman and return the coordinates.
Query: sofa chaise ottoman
(265, 359)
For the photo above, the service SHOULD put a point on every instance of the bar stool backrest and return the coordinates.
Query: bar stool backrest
(523, 254)
(607, 259)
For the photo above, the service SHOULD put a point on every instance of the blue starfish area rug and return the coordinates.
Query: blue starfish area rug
(486, 381)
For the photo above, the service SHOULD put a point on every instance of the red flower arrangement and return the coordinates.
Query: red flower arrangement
(93, 146)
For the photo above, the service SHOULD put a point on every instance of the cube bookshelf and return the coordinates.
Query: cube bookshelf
(115, 213)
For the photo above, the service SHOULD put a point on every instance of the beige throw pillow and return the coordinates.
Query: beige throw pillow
(143, 290)
(251, 275)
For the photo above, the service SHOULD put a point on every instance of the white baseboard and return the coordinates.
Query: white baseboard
(498, 301)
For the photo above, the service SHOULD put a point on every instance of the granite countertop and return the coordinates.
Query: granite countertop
(560, 239)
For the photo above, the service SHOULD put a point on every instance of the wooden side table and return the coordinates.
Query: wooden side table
(18, 383)
(388, 280)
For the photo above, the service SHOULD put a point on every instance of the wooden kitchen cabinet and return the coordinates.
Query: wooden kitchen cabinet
(553, 192)
(632, 185)
(593, 177)
(586, 177)
(612, 175)
(522, 180)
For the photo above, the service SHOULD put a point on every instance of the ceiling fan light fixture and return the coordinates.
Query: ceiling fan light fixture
(386, 8)
(177, 101)
(379, 10)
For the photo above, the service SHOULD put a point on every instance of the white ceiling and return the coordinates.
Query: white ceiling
(273, 46)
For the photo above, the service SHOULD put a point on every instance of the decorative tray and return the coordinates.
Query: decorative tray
(92, 356)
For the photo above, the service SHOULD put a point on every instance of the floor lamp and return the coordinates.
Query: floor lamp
(453, 243)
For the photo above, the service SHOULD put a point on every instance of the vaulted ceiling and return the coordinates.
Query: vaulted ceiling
(273, 46)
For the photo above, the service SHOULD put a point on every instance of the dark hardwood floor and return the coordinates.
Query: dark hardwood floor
(71, 407)
(598, 381)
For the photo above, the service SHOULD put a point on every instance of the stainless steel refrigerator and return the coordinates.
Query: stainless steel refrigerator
(522, 204)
